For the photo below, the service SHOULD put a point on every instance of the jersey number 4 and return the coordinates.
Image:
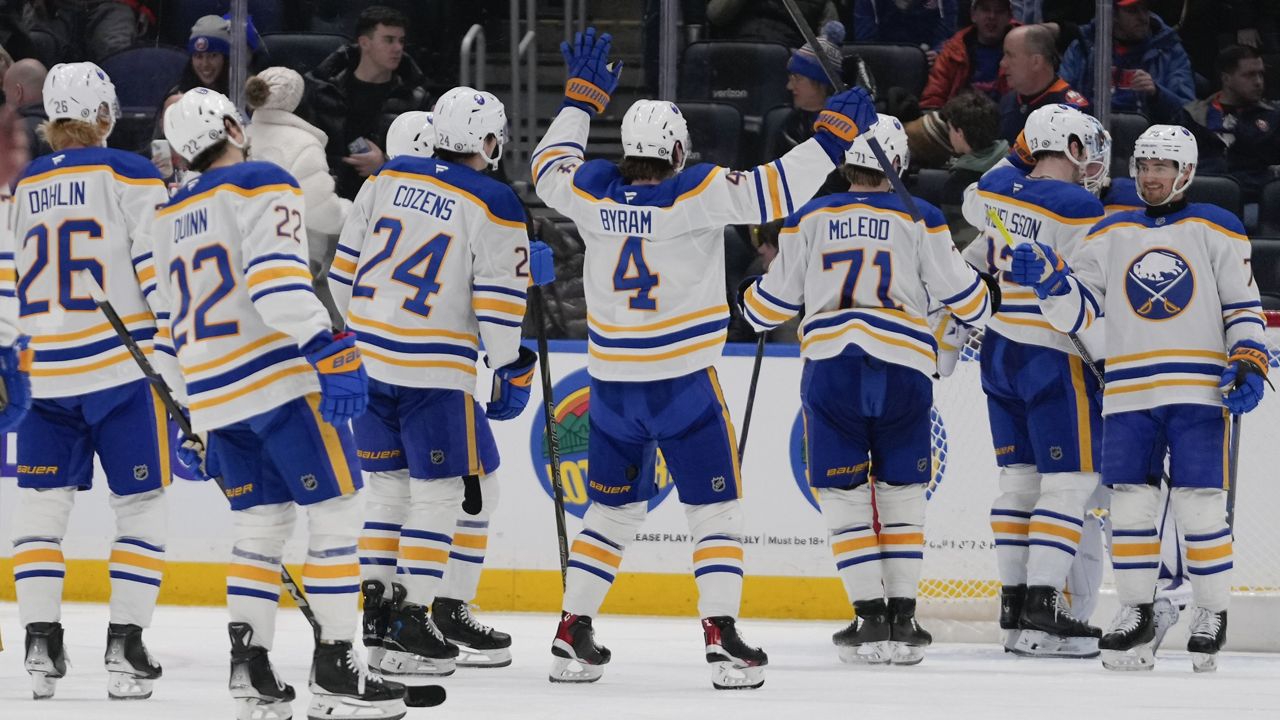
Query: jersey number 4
(428, 258)
(882, 260)
(642, 282)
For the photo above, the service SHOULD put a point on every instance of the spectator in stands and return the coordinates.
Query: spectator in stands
(926, 23)
(1151, 72)
(278, 135)
(358, 91)
(1237, 131)
(973, 127)
(1030, 65)
(6, 62)
(24, 92)
(74, 30)
(971, 58)
(209, 46)
(765, 20)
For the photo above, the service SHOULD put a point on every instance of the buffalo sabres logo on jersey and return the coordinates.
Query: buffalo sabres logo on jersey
(1159, 284)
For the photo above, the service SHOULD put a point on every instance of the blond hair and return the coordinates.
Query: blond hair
(64, 133)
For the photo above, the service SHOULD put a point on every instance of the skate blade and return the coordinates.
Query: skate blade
(42, 685)
(126, 686)
(471, 658)
(727, 675)
(396, 663)
(1204, 662)
(872, 653)
(1136, 659)
(572, 670)
(1038, 644)
(253, 709)
(904, 654)
(342, 707)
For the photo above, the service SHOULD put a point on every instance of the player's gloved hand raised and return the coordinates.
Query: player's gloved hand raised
(845, 116)
(1042, 271)
(15, 383)
(344, 385)
(592, 79)
(511, 385)
(542, 263)
(1241, 382)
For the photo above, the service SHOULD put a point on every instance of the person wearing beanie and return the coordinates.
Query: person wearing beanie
(924, 23)
(971, 58)
(276, 134)
(210, 49)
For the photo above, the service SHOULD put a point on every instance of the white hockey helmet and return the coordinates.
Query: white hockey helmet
(888, 131)
(412, 133)
(1167, 142)
(465, 117)
(653, 129)
(1052, 128)
(77, 91)
(195, 123)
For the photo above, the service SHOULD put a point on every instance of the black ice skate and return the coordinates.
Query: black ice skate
(1043, 610)
(413, 644)
(343, 689)
(1208, 636)
(866, 640)
(735, 665)
(907, 640)
(47, 660)
(1011, 599)
(131, 671)
(258, 691)
(478, 644)
(578, 659)
(1129, 643)
(377, 611)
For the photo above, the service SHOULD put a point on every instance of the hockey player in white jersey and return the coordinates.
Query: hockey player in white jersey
(433, 261)
(1184, 339)
(273, 388)
(654, 278)
(84, 207)
(863, 271)
(1041, 398)
(411, 133)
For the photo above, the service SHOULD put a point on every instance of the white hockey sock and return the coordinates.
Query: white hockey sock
(253, 577)
(427, 536)
(137, 556)
(854, 544)
(1056, 523)
(1202, 516)
(40, 523)
(901, 537)
(596, 554)
(470, 541)
(1135, 548)
(386, 507)
(717, 556)
(1010, 518)
(331, 577)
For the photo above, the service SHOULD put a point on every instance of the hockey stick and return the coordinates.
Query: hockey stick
(836, 82)
(751, 397)
(1233, 458)
(415, 695)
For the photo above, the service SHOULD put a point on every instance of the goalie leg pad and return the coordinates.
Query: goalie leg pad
(849, 515)
(1135, 547)
(253, 577)
(40, 523)
(137, 556)
(717, 556)
(1011, 518)
(470, 541)
(596, 554)
(331, 577)
(427, 536)
(386, 509)
(901, 537)
(1202, 518)
(1057, 522)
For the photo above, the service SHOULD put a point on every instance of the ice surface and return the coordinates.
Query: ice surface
(658, 672)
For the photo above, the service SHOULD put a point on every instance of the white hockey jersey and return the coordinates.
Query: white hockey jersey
(434, 258)
(863, 273)
(1053, 212)
(232, 244)
(81, 209)
(654, 271)
(1177, 294)
(9, 331)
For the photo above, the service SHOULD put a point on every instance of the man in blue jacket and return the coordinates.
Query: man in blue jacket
(1151, 71)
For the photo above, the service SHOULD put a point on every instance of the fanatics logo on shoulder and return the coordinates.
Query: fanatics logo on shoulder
(57, 159)
(630, 195)
(1159, 284)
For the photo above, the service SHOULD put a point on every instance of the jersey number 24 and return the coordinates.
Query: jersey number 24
(431, 254)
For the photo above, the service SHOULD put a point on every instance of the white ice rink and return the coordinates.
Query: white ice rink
(657, 672)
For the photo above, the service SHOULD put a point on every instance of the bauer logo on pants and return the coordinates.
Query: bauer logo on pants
(1159, 284)
(573, 414)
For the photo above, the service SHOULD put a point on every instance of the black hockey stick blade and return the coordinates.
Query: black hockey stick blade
(424, 695)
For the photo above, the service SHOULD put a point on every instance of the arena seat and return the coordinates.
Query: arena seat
(750, 76)
(1217, 190)
(894, 65)
(302, 51)
(715, 133)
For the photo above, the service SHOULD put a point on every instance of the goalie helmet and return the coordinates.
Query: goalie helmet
(195, 123)
(888, 131)
(412, 133)
(77, 91)
(465, 117)
(1052, 128)
(1167, 142)
(653, 129)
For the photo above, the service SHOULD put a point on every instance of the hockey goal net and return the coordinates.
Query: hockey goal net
(960, 589)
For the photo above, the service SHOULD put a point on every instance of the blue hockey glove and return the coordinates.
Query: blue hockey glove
(15, 383)
(542, 263)
(843, 118)
(511, 385)
(344, 385)
(592, 79)
(196, 459)
(1241, 383)
(1030, 268)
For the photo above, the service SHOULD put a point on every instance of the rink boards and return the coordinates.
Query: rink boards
(790, 572)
